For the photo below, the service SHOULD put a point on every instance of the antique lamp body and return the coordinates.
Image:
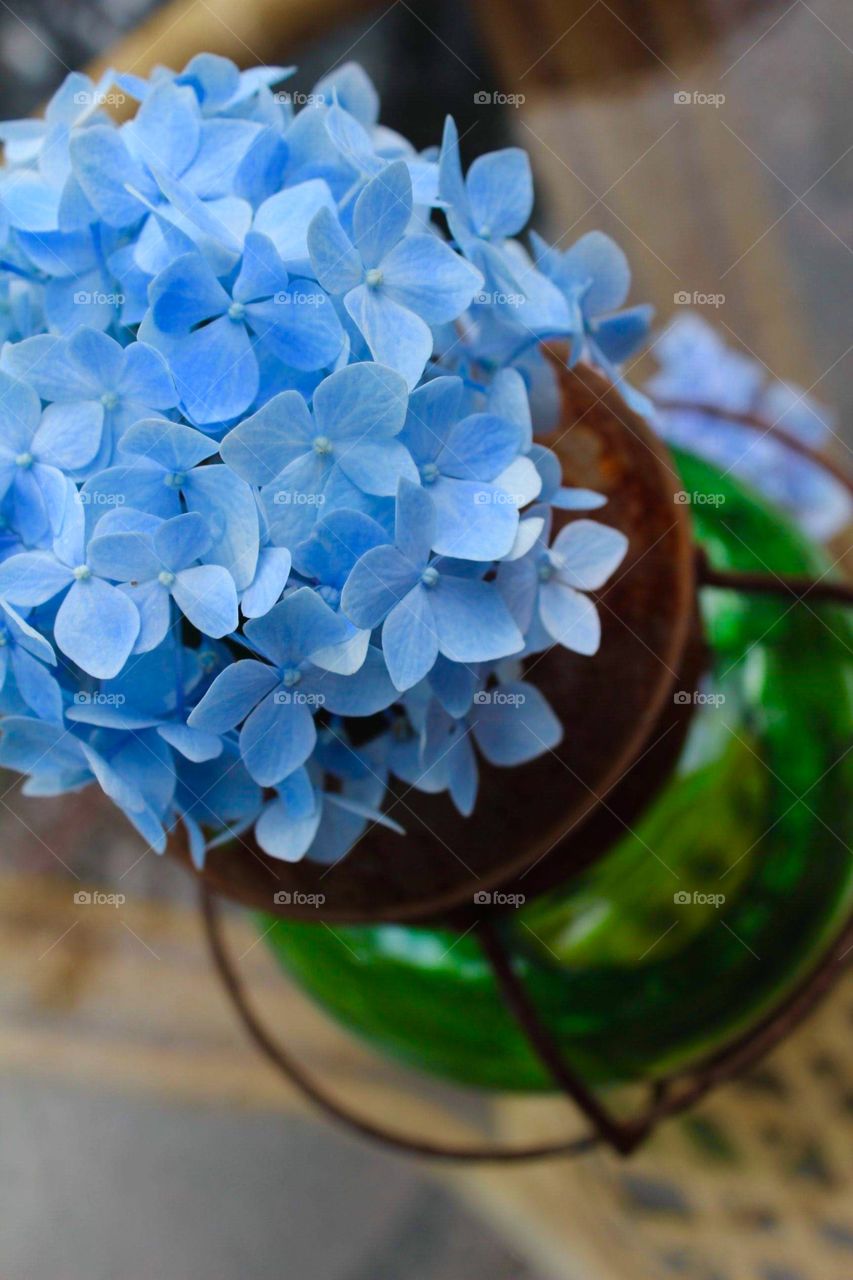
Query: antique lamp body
(721, 895)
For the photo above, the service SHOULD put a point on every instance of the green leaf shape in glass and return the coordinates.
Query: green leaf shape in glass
(698, 921)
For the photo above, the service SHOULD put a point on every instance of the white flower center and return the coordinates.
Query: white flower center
(429, 473)
(374, 277)
(82, 573)
(322, 445)
(290, 677)
(429, 577)
(165, 578)
(24, 460)
(109, 400)
(236, 311)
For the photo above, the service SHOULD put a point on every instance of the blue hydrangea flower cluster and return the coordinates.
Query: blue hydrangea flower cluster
(274, 528)
(697, 368)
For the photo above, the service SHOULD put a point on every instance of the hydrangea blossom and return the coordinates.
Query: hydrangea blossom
(275, 534)
(697, 368)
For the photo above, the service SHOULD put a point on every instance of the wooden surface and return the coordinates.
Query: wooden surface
(122, 999)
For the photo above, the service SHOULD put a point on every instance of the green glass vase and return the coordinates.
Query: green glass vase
(724, 894)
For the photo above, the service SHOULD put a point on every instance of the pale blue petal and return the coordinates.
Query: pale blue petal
(180, 541)
(517, 728)
(277, 738)
(32, 577)
(261, 447)
(207, 596)
(364, 694)
(472, 621)
(96, 627)
(334, 258)
(377, 466)
(228, 505)
(500, 191)
(382, 213)
(361, 401)
(286, 217)
(396, 336)
(380, 579)
(473, 520)
(233, 694)
(424, 274)
(587, 553)
(569, 617)
(268, 583)
(409, 639)
(185, 294)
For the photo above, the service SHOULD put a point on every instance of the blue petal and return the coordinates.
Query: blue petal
(361, 401)
(382, 213)
(472, 621)
(424, 274)
(334, 258)
(180, 541)
(380, 579)
(363, 694)
(473, 520)
(396, 336)
(377, 466)
(207, 596)
(124, 557)
(587, 553)
(300, 324)
(515, 725)
(268, 583)
(277, 738)
(286, 217)
(261, 447)
(233, 694)
(185, 294)
(415, 522)
(500, 190)
(569, 617)
(96, 627)
(171, 444)
(296, 627)
(409, 639)
(228, 505)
